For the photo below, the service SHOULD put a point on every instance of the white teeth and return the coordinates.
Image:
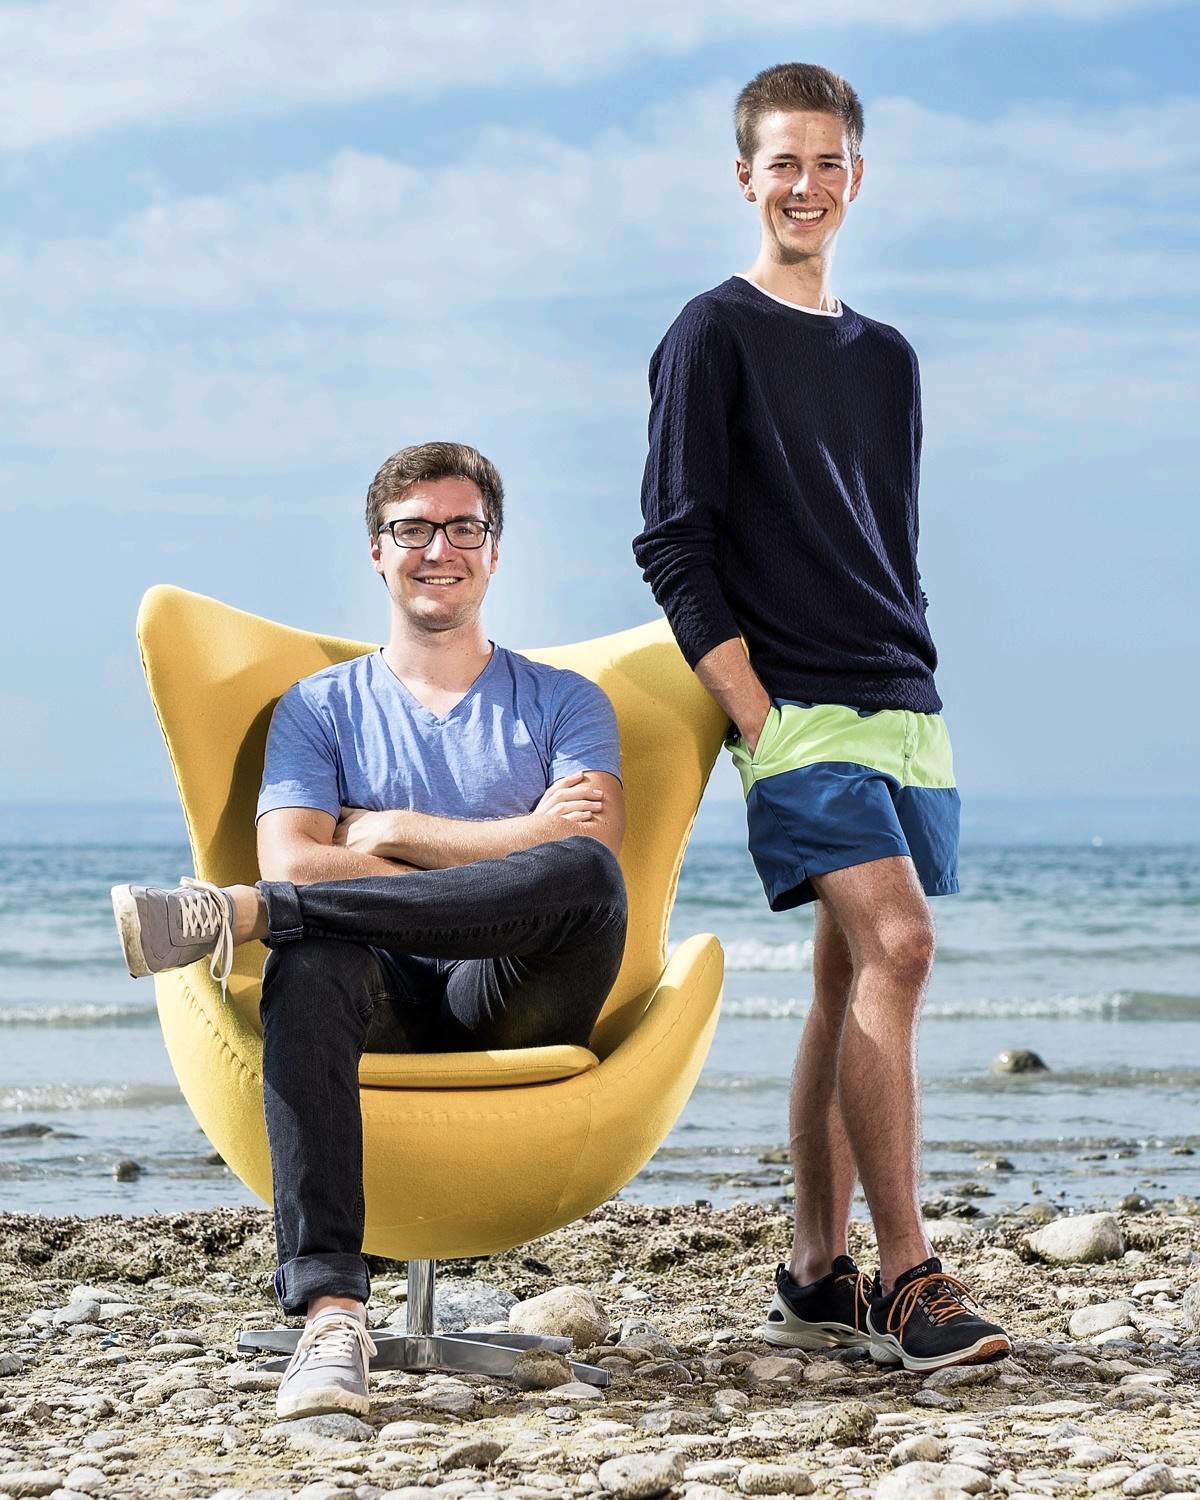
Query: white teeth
(804, 213)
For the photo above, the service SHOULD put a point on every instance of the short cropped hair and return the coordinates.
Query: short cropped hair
(796, 86)
(428, 461)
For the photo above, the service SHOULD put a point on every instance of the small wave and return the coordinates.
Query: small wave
(755, 956)
(1077, 1080)
(78, 1015)
(1127, 1005)
(51, 1097)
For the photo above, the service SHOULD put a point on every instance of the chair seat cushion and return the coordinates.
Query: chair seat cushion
(472, 1070)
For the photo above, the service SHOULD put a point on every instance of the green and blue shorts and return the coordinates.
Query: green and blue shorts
(830, 786)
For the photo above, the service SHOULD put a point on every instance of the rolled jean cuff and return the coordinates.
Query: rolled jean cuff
(284, 921)
(337, 1274)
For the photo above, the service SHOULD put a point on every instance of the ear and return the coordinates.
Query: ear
(742, 171)
(856, 178)
(376, 555)
(495, 557)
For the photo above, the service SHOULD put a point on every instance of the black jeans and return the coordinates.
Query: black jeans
(514, 952)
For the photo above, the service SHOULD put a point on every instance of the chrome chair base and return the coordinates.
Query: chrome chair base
(418, 1348)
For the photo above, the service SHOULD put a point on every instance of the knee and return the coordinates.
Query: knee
(310, 976)
(597, 869)
(905, 949)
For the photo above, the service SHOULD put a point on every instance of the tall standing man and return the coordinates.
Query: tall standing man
(780, 505)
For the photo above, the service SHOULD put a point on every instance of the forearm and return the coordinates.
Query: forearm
(305, 863)
(727, 674)
(432, 843)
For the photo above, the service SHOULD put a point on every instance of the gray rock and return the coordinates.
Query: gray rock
(540, 1370)
(1110, 1478)
(77, 1312)
(475, 1453)
(336, 1431)
(926, 1447)
(1190, 1308)
(251, 1381)
(701, 1491)
(197, 1398)
(846, 1423)
(1086, 1322)
(22, 1482)
(714, 1471)
(566, 1312)
(675, 1419)
(1078, 1239)
(87, 1479)
(930, 1481)
(11, 1364)
(450, 1396)
(774, 1479)
(469, 1304)
(731, 1399)
(126, 1170)
(937, 1400)
(956, 1375)
(1018, 1060)
(576, 1390)
(1154, 1479)
(640, 1476)
(776, 1367)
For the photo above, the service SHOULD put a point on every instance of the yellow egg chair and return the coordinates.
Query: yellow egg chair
(464, 1154)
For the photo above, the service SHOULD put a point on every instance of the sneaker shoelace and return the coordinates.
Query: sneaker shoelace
(862, 1295)
(940, 1294)
(339, 1337)
(206, 914)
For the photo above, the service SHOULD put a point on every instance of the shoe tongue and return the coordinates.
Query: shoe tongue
(844, 1265)
(929, 1267)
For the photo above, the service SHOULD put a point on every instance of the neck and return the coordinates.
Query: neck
(806, 281)
(449, 659)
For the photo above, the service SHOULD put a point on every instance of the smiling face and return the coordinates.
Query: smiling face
(803, 179)
(438, 587)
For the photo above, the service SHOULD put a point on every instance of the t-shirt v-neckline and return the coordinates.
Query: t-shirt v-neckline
(414, 703)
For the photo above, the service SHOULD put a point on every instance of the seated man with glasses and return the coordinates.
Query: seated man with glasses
(438, 827)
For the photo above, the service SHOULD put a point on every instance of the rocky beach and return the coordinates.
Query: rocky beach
(119, 1376)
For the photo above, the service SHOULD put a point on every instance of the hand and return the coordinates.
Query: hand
(571, 800)
(753, 739)
(364, 832)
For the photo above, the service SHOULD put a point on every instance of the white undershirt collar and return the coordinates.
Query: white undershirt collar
(819, 312)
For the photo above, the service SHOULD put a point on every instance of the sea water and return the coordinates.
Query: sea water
(1088, 955)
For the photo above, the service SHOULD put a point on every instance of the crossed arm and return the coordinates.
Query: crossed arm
(303, 844)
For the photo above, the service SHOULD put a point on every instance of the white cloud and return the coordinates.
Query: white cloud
(69, 68)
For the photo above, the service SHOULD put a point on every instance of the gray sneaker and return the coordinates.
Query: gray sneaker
(328, 1372)
(168, 929)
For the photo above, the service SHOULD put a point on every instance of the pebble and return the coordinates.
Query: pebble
(1078, 1239)
(1153, 1479)
(937, 1400)
(252, 1381)
(451, 1396)
(87, 1479)
(540, 1370)
(566, 1312)
(715, 1471)
(640, 1476)
(475, 1453)
(76, 1312)
(774, 1479)
(22, 1482)
(957, 1375)
(1099, 1318)
(336, 1431)
(776, 1367)
(1110, 1478)
(576, 1390)
(931, 1481)
(926, 1447)
(1190, 1308)
(11, 1364)
(845, 1423)
(706, 1492)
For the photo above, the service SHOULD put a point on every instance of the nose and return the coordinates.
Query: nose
(439, 546)
(800, 186)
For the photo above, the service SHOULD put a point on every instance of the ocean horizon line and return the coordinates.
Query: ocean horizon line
(988, 820)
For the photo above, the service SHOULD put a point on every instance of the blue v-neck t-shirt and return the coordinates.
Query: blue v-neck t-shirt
(352, 735)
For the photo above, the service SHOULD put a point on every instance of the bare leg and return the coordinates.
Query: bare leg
(344, 1304)
(885, 917)
(249, 913)
(822, 1159)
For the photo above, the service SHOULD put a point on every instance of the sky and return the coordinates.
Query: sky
(249, 249)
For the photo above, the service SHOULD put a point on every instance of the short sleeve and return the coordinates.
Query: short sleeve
(583, 731)
(301, 765)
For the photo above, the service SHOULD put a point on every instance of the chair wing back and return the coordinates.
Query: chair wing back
(215, 674)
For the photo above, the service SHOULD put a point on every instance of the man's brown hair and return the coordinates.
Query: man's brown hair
(796, 86)
(428, 461)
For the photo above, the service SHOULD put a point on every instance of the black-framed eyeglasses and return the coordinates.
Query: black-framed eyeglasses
(465, 534)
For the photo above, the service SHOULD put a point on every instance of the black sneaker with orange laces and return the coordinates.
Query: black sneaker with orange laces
(826, 1314)
(923, 1323)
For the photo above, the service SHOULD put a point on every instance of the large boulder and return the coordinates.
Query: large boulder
(569, 1312)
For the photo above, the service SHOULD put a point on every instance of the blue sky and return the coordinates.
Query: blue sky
(250, 249)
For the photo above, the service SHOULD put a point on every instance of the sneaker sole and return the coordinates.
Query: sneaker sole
(885, 1350)
(321, 1401)
(811, 1336)
(129, 927)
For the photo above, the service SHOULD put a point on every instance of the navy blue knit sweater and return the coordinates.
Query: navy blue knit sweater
(780, 498)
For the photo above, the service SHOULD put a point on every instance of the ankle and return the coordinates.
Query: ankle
(249, 913)
(807, 1266)
(341, 1304)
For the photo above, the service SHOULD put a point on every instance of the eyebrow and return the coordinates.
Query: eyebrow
(822, 156)
(462, 516)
